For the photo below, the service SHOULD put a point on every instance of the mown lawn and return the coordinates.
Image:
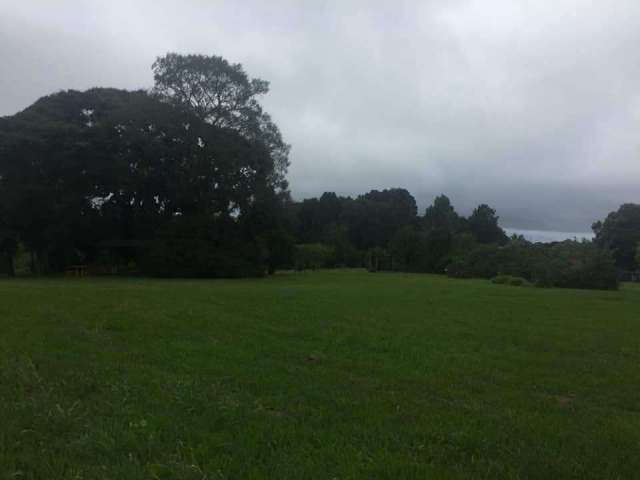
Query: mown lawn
(327, 375)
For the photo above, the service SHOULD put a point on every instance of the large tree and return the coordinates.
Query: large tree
(375, 217)
(483, 223)
(316, 218)
(620, 233)
(222, 94)
(81, 168)
(8, 245)
(440, 224)
(442, 216)
(409, 250)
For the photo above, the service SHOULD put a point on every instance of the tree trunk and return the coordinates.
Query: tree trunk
(43, 263)
(39, 262)
(32, 263)
(11, 270)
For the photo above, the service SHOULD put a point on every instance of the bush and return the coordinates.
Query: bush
(407, 250)
(313, 256)
(510, 280)
(567, 264)
(573, 264)
(202, 247)
(517, 282)
(345, 253)
(501, 279)
(378, 259)
(481, 262)
(350, 257)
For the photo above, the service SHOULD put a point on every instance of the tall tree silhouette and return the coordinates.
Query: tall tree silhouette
(222, 94)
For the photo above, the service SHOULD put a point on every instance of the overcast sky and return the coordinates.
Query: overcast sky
(530, 106)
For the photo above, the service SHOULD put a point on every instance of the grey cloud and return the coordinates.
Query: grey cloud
(533, 107)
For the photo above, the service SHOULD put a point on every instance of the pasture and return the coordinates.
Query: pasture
(323, 375)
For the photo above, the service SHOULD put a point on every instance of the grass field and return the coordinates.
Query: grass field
(327, 375)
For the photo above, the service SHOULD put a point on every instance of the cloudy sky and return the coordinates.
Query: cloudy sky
(530, 106)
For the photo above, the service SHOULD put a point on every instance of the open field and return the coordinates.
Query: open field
(317, 376)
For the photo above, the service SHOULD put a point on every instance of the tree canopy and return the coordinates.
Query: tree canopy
(81, 168)
(620, 232)
(442, 216)
(483, 223)
(223, 95)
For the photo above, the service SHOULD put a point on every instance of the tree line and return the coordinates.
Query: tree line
(383, 231)
(188, 179)
(388, 221)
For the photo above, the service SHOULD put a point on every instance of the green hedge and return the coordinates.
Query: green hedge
(568, 264)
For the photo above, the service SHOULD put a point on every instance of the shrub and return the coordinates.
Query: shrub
(202, 247)
(501, 279)
(408, 251)
(509, 280)
(351, 257)
(346, 254)
(313, 256)
(378, 259)
(573, 264)
(481, 262)
(517, 281)
(567, 264)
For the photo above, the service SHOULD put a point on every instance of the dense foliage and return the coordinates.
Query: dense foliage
(385, 226)
(389, 235)
(188, 180)
(563, 264)
(620, 232)
(223, 95)
(313, 256)
(81, 172)
(203, 247)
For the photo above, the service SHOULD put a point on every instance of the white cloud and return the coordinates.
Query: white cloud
(532, 106)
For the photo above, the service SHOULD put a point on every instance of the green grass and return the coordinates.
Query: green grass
(327, 375)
